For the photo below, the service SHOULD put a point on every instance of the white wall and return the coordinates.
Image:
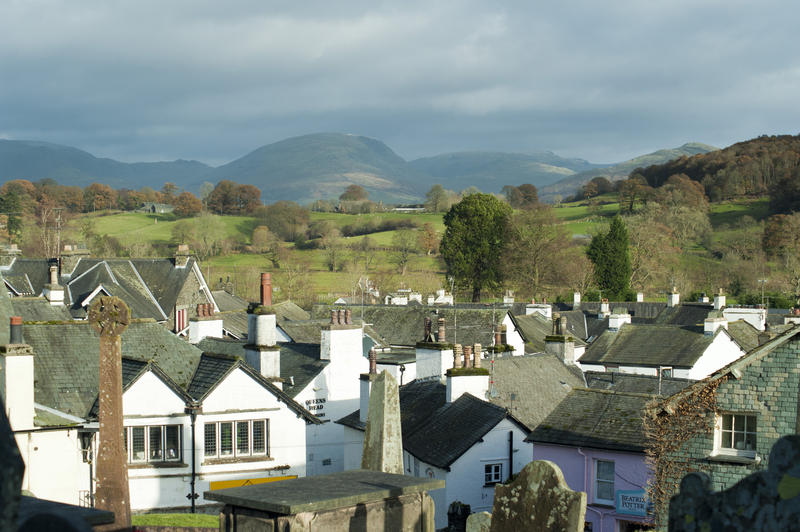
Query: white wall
(394, 370)
(239, 397)
(54, 467)
(722, 351)
(433, 363)
(465, 480)
(513, 337)
(332, 394)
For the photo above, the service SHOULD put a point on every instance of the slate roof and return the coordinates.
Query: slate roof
(234, 323)
(304, 332)
(531, 386)
(534, 327)
(598, 419)
(745, 334)
(404, 325)
(300, 363)
(685, 314)
(209, 371)
(66, 360)
(648, 345)
(632, 383)
(643, 310)
(39, 309)
(150, 287)
(434, 431)
(233, 311)
(27, 277)
(212, 369)
(227, 301)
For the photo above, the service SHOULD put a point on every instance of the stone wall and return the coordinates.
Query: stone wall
(768, 387)
(190, 296)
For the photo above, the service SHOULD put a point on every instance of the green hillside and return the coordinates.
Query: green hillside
(33, 160)
(321, 166)
(616, 172)
(490, 171)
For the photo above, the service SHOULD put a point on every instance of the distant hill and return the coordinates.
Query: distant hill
(32, 160)
(490, 171)
(321, 166)
(616, 172)
(763, 165)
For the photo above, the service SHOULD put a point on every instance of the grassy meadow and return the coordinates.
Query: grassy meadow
(306, 270)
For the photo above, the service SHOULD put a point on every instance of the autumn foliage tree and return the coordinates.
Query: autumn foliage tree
(187, 204)
(232, 198)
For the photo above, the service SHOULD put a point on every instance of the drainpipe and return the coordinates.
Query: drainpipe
(192, 411)
(510, 453)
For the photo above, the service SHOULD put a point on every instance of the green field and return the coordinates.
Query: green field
(308, 267)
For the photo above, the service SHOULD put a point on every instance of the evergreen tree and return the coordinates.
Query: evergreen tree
(475, 235)
(612, 264)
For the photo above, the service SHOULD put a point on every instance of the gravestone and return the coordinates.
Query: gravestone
(538, 499)
(110, 317)
(383, 440)
(765, 500)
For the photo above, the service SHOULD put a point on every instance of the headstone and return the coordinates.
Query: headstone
(479, 522)
(12, 468)
(765, 500)
(110, 317)
(457, 514)
(538, 499)
(383, 440)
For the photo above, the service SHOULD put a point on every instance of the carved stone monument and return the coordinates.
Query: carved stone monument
(110, 317)
(538, 499)
(383, 440)
(766, 500)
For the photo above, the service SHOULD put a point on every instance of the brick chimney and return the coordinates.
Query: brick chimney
(562, 346)
(205, 324)
(266, 289)
(605, 309)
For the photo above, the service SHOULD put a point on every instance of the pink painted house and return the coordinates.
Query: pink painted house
(596, 438)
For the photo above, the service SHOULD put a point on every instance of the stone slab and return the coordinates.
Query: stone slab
(31, 506)
(323, 492)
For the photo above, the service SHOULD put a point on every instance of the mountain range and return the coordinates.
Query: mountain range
(322, 165)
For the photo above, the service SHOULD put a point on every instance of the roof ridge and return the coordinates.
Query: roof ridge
(614, 392)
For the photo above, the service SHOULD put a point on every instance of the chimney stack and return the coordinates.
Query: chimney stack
(476, 356)
(348, 317)
(605, 308)
(673, 298)
(266, 289)
(441, 336)
(576, 298)
(467, 356)
(719, 300)
(373, 362)
(16, 330)
(457, 354)
(52, 291)
(639, 297)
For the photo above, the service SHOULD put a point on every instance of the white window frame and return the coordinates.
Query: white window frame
(666, 369)
(741, 424)
(236, 451)
(492, 473)
(148, 459)
(605, 481)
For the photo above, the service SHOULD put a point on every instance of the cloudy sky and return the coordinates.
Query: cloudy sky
(210, 80)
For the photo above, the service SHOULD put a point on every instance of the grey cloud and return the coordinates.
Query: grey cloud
(212, 80)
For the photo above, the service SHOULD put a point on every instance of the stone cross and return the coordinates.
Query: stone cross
(764, 500)
(538, 499)
(110, 317)
(383, 439)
